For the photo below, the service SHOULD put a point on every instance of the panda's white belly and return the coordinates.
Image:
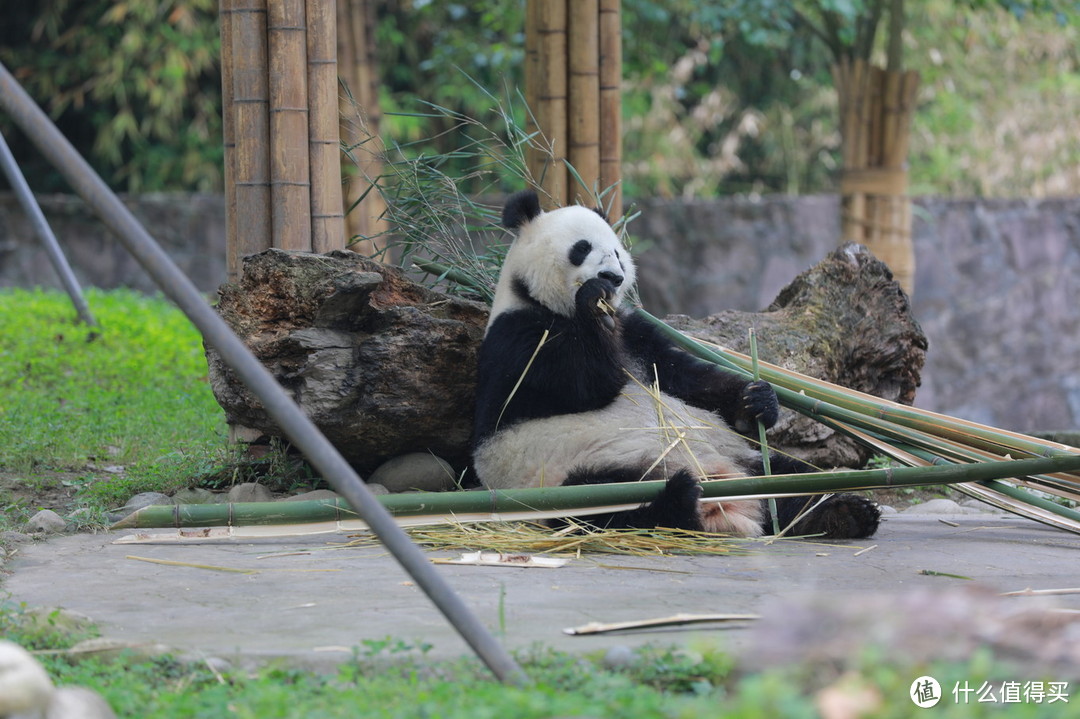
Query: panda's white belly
(639, 430)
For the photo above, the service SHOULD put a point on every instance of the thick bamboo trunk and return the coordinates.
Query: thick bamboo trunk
(876, 107)
(583, 38)
(573, 77)
(327, 216)
(362, 162)
(550, 101)
(611, 105)
(228, 132)
(251, 130)
(290, 179)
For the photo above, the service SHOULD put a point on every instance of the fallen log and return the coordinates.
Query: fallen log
(385, 366)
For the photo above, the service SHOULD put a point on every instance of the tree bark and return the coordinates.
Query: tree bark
(385, 367)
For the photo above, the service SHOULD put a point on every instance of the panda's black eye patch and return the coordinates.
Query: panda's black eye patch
(579, 252)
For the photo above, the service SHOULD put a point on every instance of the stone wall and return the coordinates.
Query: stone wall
(997, 281)
(191, 229)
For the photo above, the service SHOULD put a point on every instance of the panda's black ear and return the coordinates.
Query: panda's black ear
(521, 207)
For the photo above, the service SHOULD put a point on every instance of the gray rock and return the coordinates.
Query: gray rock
(377, 489)
(25, 687)
(312, 495)
(619, 657)
(46, 521)
(78, 703)
(13, 537)
(143, 499)
(146, 499)
(416, 471)
(195, 495)
(887, 510)
(250, 492)
(55, 619)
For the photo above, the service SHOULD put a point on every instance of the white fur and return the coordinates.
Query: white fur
(638, 429)
(539, 257)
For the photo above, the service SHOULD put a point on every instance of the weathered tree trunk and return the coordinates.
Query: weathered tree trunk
(386, 367)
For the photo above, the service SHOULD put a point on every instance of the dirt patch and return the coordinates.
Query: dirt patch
(20, 493)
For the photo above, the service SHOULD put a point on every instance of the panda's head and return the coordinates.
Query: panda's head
(555, 253)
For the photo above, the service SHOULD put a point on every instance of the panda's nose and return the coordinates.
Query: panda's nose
(611, 277)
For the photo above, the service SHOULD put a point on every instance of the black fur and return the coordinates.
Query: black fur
(579, 252)
(698, 382)
(520, 208)
(675, 507)
(578, 368)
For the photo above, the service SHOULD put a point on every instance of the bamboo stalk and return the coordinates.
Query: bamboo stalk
(228, 132)
(551, 102)
(584, 97)
(611, 105)
(290, 180)
(327, 213)
(821, 398)
(579, 500)
(251, 126)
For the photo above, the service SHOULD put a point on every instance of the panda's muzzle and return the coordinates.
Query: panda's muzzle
(612, 277)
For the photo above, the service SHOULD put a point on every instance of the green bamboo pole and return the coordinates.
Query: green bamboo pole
(814, 398)
(595, 497)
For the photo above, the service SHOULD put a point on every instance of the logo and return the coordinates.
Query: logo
(925, 692)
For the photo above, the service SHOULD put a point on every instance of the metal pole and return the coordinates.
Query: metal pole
(44, 232)
(300, 430)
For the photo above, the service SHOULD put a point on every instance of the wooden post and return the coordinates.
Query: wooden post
(251, 131)
(290, 179)
(573, 76)
(327, 216)
(876, 108)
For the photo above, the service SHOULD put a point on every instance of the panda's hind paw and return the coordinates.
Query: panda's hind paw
(843, 516)
(676, 506)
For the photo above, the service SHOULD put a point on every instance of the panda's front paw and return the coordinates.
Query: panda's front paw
(758, 403)
(594, 299)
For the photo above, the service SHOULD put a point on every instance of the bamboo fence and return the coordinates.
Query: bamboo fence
(282, 167)
(876, 108)
(573, 72)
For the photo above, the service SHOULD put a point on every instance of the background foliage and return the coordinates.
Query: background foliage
(719, 97)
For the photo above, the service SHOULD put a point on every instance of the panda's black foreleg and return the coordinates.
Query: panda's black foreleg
(675, 507)
(841, 516)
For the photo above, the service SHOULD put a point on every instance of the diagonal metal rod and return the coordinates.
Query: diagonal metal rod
(295, 424)
(44, 232)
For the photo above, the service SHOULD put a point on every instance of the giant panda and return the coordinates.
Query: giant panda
(574, 389)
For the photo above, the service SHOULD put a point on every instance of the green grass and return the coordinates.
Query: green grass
(131, 393)
(392, 679)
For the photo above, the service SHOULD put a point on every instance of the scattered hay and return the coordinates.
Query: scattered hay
(574, 540)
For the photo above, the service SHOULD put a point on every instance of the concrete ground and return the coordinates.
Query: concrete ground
(312, 602)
